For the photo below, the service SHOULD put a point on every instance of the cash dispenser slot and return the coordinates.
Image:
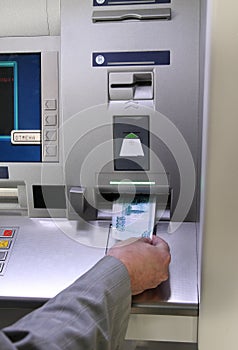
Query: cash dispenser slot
(131, 14)
(106, 193)
(96, 203)
(116, 186)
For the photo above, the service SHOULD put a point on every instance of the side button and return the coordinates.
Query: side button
(50, 135)
(50, 105)
(50, 151)
(50, 120)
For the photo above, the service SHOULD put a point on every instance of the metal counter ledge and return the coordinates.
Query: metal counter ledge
(47, 255)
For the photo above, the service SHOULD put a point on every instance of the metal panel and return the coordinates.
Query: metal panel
(162, 328)
(89, 114)
(171, 308)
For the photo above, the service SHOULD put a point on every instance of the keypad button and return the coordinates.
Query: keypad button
(1, 267)
(7, 233)
(3, 256)
(5, 244)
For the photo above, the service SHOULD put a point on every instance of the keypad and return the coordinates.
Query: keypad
(7, 237)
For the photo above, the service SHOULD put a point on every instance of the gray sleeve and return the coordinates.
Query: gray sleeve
(92, 314)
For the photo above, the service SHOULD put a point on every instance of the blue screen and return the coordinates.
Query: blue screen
(20, 104)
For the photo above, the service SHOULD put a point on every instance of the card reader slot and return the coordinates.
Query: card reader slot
(8, 195)
(131, 85)
(135, 14)
(13, 198)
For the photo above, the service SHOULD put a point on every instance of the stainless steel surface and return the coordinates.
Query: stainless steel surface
(44, 260)
(49, 254)
(178, 295)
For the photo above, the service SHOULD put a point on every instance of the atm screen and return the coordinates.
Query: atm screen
(20, 104)
(7, 73)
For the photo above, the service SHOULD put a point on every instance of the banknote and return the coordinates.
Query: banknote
(133, 218)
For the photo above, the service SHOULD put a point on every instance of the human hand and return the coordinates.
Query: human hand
(147, 261)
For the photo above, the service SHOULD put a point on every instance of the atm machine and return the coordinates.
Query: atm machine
(111, 115)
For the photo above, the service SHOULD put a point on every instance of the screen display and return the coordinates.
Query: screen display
(7, 98)
(20, 104)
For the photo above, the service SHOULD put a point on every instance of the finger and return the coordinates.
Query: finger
(125, 242)
(146, 240)
(157, 240)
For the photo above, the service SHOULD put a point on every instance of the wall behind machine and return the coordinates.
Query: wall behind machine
(29, 18)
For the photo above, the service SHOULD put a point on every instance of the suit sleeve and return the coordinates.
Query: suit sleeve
(92, 314)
